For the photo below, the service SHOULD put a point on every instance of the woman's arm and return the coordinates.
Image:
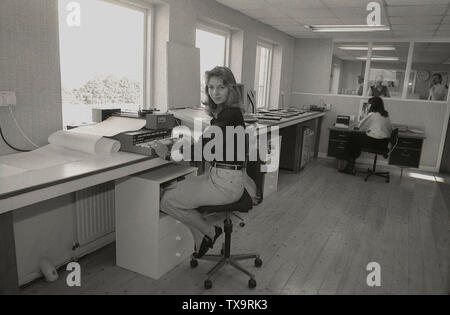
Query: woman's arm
(364, 124)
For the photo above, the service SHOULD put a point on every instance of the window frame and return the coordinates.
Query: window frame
(221, 31)
(269, 65)
(148, 44)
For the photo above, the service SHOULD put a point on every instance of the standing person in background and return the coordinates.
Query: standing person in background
(360, 85)
(438, 92)
(379, 89)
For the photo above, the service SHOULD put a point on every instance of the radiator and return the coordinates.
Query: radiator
(94, 211)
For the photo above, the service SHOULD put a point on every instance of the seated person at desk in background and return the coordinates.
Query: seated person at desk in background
(377, 132)
(379, 89)
(223, 182)
(438, 91)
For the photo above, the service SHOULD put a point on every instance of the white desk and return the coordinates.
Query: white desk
(34, 186)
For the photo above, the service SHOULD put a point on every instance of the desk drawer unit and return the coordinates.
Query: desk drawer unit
(336, 148)
(339, 135)
(147, 241)
(337, 142)
(407, 152)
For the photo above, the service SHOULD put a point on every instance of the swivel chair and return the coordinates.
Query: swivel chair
(385, 152)
(243, 205)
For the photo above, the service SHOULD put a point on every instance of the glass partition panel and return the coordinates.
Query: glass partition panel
(431, 68)
(387, 69)
(347, 72)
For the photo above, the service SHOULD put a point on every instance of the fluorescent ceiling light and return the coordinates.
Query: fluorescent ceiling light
(379, 58)
(348, 28)
(365, 47)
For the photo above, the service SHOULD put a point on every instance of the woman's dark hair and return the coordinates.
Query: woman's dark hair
(377, 106)
(226, 75)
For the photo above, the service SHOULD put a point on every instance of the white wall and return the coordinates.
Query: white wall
(29, 65)
(312, 65)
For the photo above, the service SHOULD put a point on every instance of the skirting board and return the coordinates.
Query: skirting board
(383, 163)
(78, 253)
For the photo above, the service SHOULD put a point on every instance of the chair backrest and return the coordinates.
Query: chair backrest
(394, 139)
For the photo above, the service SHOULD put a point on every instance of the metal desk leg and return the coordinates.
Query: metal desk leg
(318, 128)
(9, 280)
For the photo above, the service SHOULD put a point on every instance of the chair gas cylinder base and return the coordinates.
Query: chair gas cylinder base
(385, 152)
(373, 172)
(225, 258)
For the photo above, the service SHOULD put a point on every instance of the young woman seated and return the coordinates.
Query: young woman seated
(223, 181)
(377, 132)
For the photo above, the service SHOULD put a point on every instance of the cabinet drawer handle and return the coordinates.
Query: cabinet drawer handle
(342, 136)
(178, 254)
(406, 154)
(178, 238)
(407, 142)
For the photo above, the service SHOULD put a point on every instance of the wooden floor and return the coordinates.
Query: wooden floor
(315, 236)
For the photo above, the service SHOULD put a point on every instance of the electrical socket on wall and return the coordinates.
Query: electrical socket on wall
(8, 98)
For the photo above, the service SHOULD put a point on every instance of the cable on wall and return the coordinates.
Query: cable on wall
(20, 129)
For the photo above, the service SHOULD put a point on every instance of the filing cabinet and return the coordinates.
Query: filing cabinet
(407, 152)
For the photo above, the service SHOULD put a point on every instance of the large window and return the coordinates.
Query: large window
(263, 73)
(213, 44)
(103, 57)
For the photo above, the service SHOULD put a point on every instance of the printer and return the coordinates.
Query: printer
(158, 126)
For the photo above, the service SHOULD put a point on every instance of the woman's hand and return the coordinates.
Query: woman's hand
(161, 150)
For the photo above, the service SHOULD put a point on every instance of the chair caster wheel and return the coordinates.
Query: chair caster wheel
(252, 283)
(258, 262)
(208, 284)
(194, 263)
(242, 224)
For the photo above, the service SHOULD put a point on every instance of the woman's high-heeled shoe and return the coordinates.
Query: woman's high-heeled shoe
(208, 243)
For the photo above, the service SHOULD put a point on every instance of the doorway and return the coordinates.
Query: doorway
(445, 162)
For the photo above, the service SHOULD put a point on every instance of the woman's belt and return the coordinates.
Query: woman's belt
(227, 166)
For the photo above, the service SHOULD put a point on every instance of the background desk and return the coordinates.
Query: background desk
(407, 153)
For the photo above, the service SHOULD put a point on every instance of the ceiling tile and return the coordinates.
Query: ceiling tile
(244, 4)
(264, 14)
(446, 20)
(413, 33)
(346, 3)
(280, 21)
(417, 21)
(310, 13)
(350, 12)
(419, 10)
(407, 27)
(360, 20)
(298, 4)
(319, 21)
(415, 2)
(445, 27)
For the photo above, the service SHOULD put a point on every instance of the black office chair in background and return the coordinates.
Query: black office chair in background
(245, 204)
(385, 152)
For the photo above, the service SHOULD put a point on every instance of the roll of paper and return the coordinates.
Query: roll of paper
(86, 143)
